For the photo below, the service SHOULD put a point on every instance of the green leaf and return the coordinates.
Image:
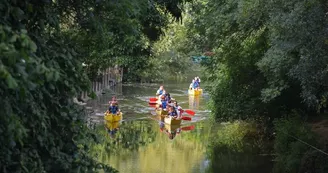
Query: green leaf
(33, 46)
(49, 76)
(13, 38)
(11, 82)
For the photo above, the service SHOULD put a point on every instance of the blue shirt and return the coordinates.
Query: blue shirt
(167, 98)
(163, 104)
(113, 109)
(173, 113)
(196, 84)
(160, 92)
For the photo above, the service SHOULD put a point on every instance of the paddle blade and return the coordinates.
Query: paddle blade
(153, 99)
(190, 112)
(186, 118)
(192, 127)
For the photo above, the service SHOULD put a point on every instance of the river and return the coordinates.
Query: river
(141, 144)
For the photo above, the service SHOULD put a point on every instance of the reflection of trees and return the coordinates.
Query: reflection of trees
(235, 149)
(226, 160)
(139, 146)
(129, 137)
(200, 134)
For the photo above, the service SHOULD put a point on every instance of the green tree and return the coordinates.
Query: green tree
(270, 57)
(43, 45)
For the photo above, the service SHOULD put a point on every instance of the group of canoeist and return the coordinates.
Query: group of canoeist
(195, 84)
(166, 103)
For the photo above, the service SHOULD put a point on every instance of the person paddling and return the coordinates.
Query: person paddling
(168, 97)
(164, 102)
(114, 100)
(198, 80)
(178, 109)
(114, 109)
(160, 90)
(172, 112)
(196, 85)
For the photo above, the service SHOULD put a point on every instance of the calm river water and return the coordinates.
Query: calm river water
(141, 144)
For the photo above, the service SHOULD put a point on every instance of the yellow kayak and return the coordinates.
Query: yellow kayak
(172, 121)
(195, 92)
(113, 118)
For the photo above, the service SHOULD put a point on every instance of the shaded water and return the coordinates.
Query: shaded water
(141, 143)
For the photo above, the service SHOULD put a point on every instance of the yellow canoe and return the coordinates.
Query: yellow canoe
(172, 121)
(161, 112)
(195, 92)
(113, 118)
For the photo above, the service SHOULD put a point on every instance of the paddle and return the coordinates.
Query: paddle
(153, 113)
(190, 112)
(186, 118)
(153, 99)
(192, 127)
(152, 105)
(152, 102)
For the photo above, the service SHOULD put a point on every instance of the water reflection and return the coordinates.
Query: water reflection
(237, 148)
(173, 130)
(112, 128)
(140, 147)
(194, 102)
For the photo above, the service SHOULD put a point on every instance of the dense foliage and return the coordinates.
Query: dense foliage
(43, 45)
(292, 155)
(269, 56)
(170, 56)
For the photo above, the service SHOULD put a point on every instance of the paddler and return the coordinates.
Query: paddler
(172, 112)
(198, 80)
(113, 109)
(168, 97)
(160, 90)
(178, 109)
(114, 100)
(163, 102)
(195, 85)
